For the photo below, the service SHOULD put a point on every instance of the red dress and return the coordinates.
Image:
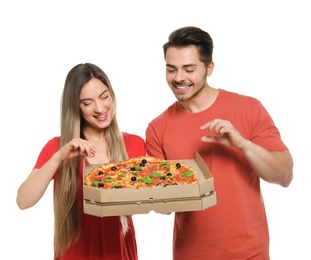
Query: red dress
(100, 238)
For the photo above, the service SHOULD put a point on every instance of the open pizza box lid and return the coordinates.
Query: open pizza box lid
(129, 201)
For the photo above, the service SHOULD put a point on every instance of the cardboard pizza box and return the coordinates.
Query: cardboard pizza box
(142, 207)
(175, 198)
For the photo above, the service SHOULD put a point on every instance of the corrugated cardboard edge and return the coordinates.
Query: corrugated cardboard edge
(210, 185)
(144, 207)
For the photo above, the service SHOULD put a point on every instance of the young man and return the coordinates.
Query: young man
(239, 143)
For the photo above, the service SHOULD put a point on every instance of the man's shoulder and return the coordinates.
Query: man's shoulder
(165, 114)
(237, 97)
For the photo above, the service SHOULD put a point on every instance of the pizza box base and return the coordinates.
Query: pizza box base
(131, 201)
(143, 207)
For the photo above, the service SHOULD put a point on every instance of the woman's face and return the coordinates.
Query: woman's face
(96, 104)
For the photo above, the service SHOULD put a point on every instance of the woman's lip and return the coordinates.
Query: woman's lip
(102, 116)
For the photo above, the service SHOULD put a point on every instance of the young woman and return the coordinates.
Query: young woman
(90, 134)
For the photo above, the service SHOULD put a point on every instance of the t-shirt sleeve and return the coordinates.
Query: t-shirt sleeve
(47, 152)
(153, 142)
(135, 145)
(265, 133)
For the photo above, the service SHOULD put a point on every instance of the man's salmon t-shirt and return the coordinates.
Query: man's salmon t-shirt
(236, 227)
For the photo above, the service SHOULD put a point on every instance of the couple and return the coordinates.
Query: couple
(234, 134)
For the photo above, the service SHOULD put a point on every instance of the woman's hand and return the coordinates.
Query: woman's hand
(76, 147)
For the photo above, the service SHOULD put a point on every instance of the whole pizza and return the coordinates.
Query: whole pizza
(141, 172)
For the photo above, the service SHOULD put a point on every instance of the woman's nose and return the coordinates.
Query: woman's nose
(99, 107)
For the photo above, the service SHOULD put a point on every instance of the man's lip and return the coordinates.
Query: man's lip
(184, 87)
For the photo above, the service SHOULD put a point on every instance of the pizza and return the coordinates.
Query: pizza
(139, 172)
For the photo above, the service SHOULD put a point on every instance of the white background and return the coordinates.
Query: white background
(262, 49)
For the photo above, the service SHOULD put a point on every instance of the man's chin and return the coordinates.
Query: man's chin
(182, 99)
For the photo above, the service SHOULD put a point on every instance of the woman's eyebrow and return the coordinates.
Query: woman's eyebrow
(85, 99)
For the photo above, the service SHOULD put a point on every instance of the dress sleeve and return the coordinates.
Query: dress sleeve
(47, 152)
(135, 145)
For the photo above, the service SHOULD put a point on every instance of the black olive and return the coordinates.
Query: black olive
(113, 168)
(133, 178)
(178, 165)
(144, 161)
(175, 183)
(100, 184)
(162, 178)
(169, 174)
(100, 173)
(133, 169)
(142, 164)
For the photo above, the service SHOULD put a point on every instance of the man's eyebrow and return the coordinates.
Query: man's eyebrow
(170, 66)
(184, 66)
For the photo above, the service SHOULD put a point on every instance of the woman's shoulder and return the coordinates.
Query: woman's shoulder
(47, 151)
(52, 143)
(128, 137)
(135, 145)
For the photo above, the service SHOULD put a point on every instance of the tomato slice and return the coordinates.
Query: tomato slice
(155, 181)
(108, 184)
(144, 172)
(153, 167)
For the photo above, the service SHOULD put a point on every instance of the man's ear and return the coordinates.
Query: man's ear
(210, 68)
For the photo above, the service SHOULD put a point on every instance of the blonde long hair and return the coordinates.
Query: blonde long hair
(66, 207)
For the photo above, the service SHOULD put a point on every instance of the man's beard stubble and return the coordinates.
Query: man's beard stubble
(182, 99)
